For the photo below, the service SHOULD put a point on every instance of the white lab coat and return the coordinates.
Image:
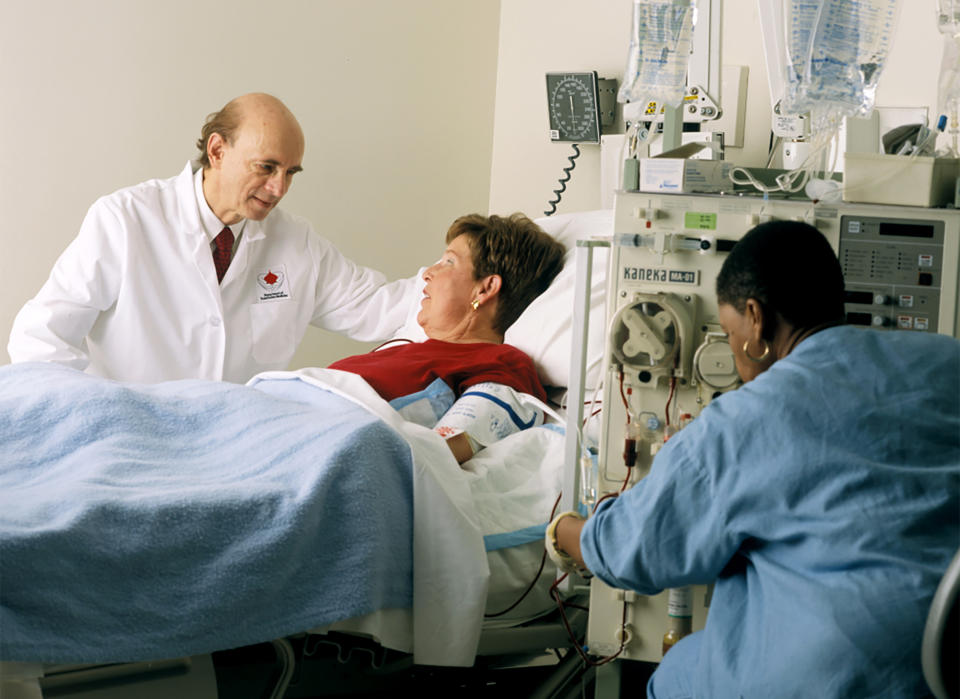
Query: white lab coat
(135, 296)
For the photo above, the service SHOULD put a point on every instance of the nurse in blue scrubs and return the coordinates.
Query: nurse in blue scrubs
(822, 497)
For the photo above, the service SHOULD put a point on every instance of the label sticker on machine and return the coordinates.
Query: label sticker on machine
(661, 275)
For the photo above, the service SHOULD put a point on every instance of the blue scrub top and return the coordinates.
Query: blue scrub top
(823, 497)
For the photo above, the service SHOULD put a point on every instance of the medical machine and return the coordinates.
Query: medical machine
(666, 356)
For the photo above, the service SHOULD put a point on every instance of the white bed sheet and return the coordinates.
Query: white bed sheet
(509, 487)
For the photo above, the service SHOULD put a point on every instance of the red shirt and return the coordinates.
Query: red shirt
(405, 369)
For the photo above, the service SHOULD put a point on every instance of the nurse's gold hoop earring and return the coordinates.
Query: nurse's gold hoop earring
(766, 351)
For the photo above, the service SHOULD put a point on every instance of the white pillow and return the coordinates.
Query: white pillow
(544, 330)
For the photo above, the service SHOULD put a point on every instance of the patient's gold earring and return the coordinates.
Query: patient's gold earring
(475, 303)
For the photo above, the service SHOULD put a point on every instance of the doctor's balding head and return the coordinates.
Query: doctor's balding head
(250, 151)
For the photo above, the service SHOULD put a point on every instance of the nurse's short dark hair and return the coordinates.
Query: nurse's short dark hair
(790, 268)
(224, 122)
(514, 247)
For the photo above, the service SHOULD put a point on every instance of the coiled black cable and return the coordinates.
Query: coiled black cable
(563, 180)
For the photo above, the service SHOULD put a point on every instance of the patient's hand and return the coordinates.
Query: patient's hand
(458, 441)
(460, 446)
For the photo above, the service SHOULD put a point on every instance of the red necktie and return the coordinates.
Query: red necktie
(221, 256)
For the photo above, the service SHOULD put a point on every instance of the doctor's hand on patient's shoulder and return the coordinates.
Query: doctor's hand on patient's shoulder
(562, 542)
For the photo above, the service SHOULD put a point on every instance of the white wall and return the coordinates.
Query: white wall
(539, 36)
(395, 99)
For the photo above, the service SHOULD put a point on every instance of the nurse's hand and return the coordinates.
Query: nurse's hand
(562, 542)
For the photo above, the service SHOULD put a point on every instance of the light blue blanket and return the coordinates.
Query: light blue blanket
(141, 522)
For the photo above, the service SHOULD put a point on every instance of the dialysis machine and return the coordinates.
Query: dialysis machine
(665, 344)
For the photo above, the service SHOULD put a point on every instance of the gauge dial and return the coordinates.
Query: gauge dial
(574, 107)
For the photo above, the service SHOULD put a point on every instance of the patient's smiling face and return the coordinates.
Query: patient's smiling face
(445, 310)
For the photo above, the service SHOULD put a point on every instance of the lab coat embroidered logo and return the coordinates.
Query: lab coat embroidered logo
(270, 281)
(273, 284)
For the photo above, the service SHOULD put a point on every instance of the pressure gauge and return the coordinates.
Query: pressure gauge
(574, 104)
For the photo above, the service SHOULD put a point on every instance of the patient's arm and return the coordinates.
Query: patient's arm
(484, 414)
(460, 446)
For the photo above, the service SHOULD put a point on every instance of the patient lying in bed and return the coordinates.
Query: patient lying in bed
(150, 521)
(463, 381)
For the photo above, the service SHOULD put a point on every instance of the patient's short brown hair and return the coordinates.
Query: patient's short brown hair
(524, 256)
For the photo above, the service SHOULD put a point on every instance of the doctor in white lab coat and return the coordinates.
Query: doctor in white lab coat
(136, 296)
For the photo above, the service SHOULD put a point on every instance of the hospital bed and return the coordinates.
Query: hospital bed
(142, 524)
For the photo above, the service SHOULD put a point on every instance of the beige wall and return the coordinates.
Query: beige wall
(538, 36)
(395, 99)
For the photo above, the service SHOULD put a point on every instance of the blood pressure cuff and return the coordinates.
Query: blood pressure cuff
(488, 412)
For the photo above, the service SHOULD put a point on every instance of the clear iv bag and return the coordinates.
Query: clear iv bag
(948, 83)
(660, 45)
(836, 50)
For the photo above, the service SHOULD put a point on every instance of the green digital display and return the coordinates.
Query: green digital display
(700, 221)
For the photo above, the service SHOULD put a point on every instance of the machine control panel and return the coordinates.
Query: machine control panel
(893, 270)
